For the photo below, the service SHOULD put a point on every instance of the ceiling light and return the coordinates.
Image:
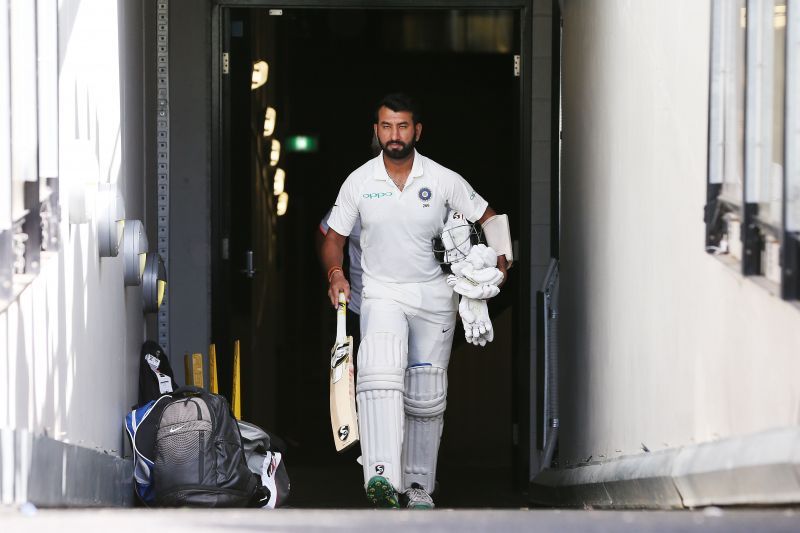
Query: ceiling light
(154, 283)
(269, 121)
(279, 182)
(275, 152)
(134, 250)
(260, 75)
(283, 203)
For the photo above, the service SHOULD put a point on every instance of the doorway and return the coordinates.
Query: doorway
(325, 70)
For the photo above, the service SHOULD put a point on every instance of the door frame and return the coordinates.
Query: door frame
(523, 332)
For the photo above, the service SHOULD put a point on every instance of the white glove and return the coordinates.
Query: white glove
(477, 276)
(482, 256)
(477, 292)
(475, 318)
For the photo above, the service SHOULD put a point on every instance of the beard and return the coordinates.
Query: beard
(398, 153)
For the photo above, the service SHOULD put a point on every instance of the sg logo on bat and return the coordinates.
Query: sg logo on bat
(344, 432)
(340, 353)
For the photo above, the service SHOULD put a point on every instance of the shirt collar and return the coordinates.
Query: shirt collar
(379, 169)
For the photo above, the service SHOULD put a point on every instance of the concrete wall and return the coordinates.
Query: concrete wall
(190, 170)
(541, 212)
(663, 345)
(69, 342)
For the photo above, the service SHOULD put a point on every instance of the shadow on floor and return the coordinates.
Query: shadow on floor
(340, 487)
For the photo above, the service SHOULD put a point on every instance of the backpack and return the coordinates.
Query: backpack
(155, 373)
(141, 425)
(188, 452)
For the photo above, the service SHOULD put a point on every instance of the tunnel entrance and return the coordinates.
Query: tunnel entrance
(325, 69)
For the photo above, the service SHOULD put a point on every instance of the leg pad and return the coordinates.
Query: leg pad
(425, 401)
(379, 393)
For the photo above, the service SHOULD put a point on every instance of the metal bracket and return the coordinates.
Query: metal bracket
(162, 154)
(248, 270)
(517, 65)
(790, 282)
(752, 241)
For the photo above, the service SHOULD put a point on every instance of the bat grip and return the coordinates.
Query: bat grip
(341, 318)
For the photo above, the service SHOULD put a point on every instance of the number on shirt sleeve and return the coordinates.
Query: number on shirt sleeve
(463, 198)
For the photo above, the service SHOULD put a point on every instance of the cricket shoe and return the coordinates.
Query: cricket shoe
(381, 493)
(418, 498)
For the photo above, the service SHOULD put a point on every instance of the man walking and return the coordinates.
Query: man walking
(408, 310)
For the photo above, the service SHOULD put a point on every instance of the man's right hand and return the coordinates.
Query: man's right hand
(338, 284)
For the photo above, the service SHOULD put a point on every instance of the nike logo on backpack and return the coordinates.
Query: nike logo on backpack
(173, 430)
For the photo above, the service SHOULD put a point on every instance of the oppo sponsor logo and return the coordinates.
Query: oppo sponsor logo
(376, 195)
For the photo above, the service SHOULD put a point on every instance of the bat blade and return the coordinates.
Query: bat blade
(344, 421)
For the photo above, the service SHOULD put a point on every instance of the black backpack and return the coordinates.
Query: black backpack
(198, 458)
(155, 373)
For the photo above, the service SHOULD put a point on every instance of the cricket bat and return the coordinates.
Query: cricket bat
(344, 421)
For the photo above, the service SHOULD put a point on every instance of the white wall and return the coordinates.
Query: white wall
(69, 343)
(663, 345)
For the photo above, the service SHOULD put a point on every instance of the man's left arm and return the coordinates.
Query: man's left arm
(463, 198)
(497, 241)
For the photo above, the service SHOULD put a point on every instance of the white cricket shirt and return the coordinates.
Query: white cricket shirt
(397, 227)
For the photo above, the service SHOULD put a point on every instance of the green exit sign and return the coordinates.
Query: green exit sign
(301, 143)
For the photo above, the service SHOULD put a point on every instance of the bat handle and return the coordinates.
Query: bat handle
(341, 318)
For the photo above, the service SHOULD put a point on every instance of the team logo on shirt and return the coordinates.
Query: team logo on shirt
(425, 194)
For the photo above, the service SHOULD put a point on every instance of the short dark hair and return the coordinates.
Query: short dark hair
(399, 102)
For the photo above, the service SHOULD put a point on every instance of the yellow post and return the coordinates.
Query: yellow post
(213, 385)
(187, 369)
(197, 370)
(236, 392)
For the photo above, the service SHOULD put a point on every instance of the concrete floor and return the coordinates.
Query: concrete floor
(331, 499)
(27, 518)
(341, 488)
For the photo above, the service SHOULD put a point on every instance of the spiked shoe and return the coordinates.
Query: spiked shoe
(381, 493)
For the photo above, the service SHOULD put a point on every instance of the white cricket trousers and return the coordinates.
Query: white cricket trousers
(406, 338)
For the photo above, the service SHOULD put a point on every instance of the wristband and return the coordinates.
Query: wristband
(333, 271)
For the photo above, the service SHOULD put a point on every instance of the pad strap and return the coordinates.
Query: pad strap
(379, 378)
(426, 391)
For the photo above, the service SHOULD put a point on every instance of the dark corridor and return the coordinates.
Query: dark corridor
(326, 71)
